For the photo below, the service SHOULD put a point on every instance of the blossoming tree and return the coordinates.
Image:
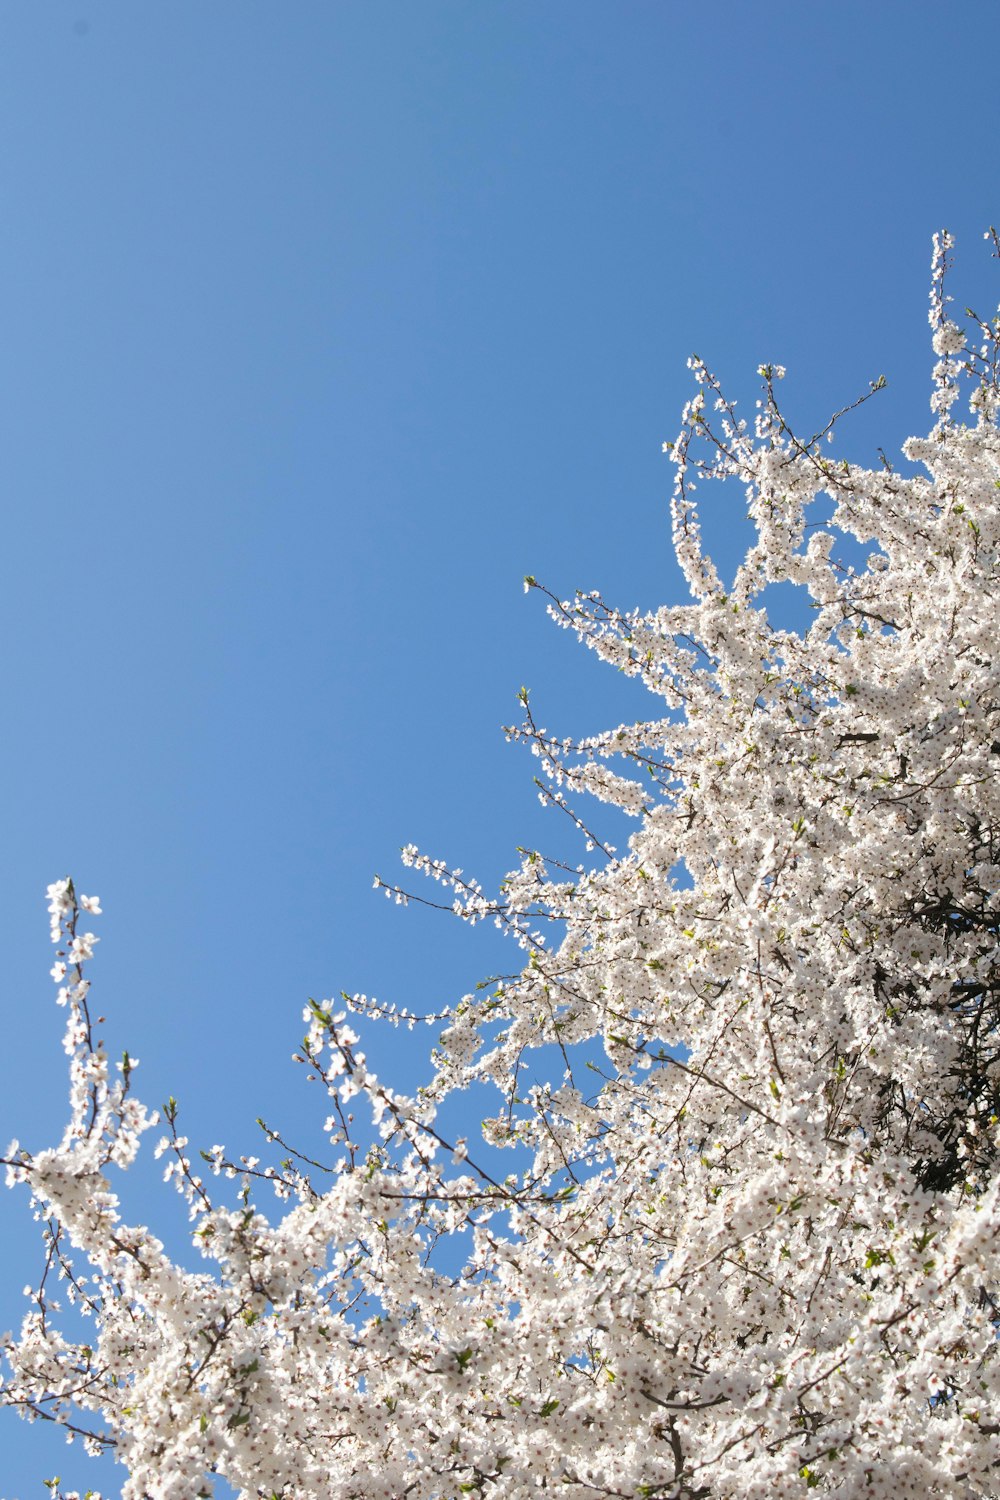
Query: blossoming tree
(746, 1244)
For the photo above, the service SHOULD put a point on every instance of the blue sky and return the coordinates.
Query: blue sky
(320, 325)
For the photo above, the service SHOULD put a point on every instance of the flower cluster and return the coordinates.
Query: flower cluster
(747, 1243)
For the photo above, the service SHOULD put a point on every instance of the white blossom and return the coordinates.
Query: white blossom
(745, 1242)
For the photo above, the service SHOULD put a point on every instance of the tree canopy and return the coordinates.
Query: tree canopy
(743, 1242)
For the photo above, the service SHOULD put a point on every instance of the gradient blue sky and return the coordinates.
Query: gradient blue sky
(320, 325)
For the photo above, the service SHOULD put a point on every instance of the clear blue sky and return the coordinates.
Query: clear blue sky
(320, 325)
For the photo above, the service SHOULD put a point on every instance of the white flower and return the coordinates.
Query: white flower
(82, 947)
(949, 339)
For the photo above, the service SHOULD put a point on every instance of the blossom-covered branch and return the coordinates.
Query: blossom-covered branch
(747, 1242)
